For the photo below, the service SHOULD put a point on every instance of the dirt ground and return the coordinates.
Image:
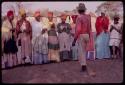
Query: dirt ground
(107, 71)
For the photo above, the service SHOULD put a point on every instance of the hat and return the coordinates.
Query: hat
(22, 11)
(81, 6)
(10, 13)
(37, 13)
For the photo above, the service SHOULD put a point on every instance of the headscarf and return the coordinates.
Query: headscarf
(74, 17)
(37, 13)
(10, 13)
(22, 12)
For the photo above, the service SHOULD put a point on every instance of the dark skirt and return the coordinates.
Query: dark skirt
(53, 46)
(10, 46)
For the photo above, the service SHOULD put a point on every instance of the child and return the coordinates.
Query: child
(41, 44)
(53, 44)
(115, 37)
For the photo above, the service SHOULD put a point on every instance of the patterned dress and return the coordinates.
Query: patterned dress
(53, 45)
(24, 33)
(64, 40)
(41, 49)
(9, 47)
(36, 31)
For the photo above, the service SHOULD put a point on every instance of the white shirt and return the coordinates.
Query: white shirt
(114, 34)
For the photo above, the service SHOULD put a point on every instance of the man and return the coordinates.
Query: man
(9, 40)
(83, 29)
(24, 32)
(102, 40)
(64, 38)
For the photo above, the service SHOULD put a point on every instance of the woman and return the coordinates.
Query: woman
(24, 30)
(36, 31)
(115, 37)
(9, 40)
(64, 38)
(102, 40)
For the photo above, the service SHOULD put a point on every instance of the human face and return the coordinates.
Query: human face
(63, 18)
(102, 14)
(37, 18)
(11, 17)
(50, 18)
(116, 21)
(24, 16)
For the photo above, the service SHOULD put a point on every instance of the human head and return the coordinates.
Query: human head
(10, 15)
(81, 8)
(22, 13)
(63, 17)
(53, 26)
(74, 18)
(50, 16)
(37, 16)
(116, 19)
(103, 13)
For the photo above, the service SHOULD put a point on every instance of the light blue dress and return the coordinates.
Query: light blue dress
(102, 46)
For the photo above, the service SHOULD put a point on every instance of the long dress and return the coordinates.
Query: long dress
(36, 31)
(102, 39)
(24, 30)
(41, 49)
(53, 45)
(102, 48)
(9, 47)
(64, 40)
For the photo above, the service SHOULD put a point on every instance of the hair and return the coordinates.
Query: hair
(43, 31)
(81, 11)
(53, 25)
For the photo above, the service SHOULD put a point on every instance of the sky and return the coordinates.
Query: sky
(59, 6)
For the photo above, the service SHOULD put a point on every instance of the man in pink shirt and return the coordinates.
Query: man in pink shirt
(83, 29)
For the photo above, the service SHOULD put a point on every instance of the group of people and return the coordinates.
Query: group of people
(25, 42)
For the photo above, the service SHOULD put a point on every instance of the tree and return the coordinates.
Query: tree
(112, 8)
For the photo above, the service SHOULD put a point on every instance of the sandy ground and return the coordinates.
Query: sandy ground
(107, 71)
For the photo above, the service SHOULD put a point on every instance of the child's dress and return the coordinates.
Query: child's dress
(53, 45)
(41, 46)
